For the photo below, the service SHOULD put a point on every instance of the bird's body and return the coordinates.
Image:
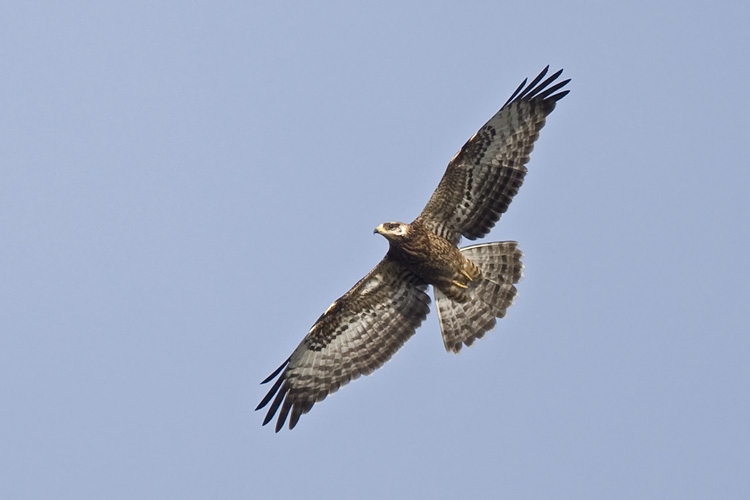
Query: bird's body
(432, 258)
(473, 286)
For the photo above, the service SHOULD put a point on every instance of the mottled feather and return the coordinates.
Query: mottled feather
(484, 176)
(461, 323)
(355, 336)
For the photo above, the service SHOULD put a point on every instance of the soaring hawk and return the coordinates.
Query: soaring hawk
(474, 285)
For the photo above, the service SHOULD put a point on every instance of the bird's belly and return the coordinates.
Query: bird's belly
(452, 273)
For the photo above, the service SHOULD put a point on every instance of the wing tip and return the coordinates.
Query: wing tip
(276, 371)
(287, 402)
(540, 91)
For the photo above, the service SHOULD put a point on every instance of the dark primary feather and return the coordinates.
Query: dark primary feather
(355, 336)
(484, 176)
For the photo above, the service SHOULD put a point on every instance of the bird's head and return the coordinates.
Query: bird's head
(393, 231)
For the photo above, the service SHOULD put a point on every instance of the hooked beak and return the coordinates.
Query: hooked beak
(379, 229)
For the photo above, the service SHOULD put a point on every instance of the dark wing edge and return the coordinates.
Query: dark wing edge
(484, 176)
(534, 89)
(356, 335)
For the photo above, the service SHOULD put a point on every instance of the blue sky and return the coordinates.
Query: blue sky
(186, 187)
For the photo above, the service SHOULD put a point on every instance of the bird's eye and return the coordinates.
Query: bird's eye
(390, 226)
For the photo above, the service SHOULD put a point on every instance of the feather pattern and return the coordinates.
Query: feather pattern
(461, 323)
(484, 176)
(356, 335)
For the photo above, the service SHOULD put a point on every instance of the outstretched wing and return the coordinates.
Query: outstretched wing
(485, 175)
(356, 335)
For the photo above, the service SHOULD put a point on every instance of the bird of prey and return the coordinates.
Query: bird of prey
(473, 286)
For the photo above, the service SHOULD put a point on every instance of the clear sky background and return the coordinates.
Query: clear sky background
(185, 187)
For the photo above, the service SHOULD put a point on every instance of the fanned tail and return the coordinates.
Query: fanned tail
(463, 322)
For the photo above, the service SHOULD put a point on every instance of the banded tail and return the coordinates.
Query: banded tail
(463, 322)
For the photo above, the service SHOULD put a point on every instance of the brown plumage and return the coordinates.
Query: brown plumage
(473, 286)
